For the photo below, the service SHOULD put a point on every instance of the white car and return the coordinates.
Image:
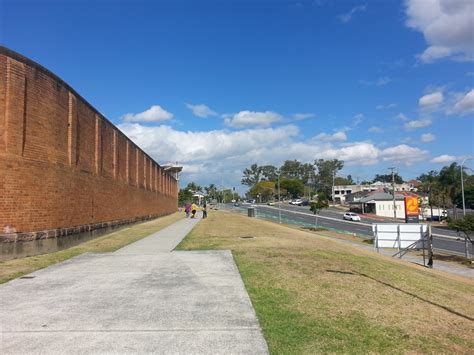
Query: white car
(296, 202)
(351, 216)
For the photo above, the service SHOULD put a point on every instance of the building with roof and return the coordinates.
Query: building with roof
(342, 191)
(381, 203)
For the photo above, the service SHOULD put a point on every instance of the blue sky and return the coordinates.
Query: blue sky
(219, 85)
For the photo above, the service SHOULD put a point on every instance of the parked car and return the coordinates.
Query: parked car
(271, 203)
(351, 216)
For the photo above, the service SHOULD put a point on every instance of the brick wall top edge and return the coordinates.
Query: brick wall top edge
(18, 57)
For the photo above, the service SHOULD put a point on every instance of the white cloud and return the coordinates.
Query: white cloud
(404, 154)
(336, 137)
(402, 117)
(251, 118)
(201, 110)
(447, 26)
(345, 18)
(415, 124)
(154, 114)
(431, 101)
(445, 158)
(385, 107)
(358, 119)
(302, 116)
(209, 156)
(375, 129)
(427, 137)
(383, 81)
(465, 104)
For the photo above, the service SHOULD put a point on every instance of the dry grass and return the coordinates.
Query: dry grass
(313, 294)
(12, 269)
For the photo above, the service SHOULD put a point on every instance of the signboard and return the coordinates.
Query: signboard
(399, 235)
(412, 211)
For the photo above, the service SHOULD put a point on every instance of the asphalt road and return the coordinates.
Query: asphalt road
(443, 240)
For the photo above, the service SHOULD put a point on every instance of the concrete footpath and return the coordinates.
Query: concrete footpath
(144, 298)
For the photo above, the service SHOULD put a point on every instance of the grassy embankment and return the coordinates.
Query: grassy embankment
(313, 294)
(12, 269)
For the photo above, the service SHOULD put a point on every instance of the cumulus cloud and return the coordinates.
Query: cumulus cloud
(427, 137)
(444, 158)
(336, 137)
(415, 124)
(347, 17)
(464, 105)
(208, 156)
(154, 114)
(431, 101)
(447, 26)
(302, 116)
(251, 118)
(404, 154)
(201, 110)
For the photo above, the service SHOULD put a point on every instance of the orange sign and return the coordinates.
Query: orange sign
(411, 206)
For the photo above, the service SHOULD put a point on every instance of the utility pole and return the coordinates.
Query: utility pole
(279, 200)
(462, 187)
(393, 190)
(333, 177)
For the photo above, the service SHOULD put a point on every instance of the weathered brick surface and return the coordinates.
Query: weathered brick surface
(62, 165)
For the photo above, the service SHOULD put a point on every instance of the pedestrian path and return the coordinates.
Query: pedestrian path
(144, 298)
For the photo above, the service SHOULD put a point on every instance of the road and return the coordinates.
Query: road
(443, 240)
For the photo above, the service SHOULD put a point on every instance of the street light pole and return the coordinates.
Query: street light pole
(462, 187)
(279, 201)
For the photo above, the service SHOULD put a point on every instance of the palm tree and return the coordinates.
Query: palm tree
(429, 184)
(211, 190)
(449, 177)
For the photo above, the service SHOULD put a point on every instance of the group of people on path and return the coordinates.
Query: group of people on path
(193, 208)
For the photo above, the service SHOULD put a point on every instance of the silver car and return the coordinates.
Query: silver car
(350, 216)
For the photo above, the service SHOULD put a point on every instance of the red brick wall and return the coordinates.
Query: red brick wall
(62, 164)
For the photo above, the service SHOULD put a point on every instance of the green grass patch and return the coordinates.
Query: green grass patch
(313, 295)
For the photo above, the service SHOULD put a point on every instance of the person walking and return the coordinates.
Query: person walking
(187, 209)
(194, 209)
(204, 210)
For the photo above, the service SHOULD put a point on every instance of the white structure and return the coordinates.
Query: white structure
(399, 235)
(340, 191)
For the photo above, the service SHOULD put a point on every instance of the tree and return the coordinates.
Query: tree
(251, 175)
(184, 196)
(193, 187)
(468, 192)
(294, 187)
(326, 169)
(264, 189)
(342, 181)
(318, 205)
(450, 179)
(388, 178)
(430, 185)
(211, 191)
(293, 169)
(464, 225)
(269, 172)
